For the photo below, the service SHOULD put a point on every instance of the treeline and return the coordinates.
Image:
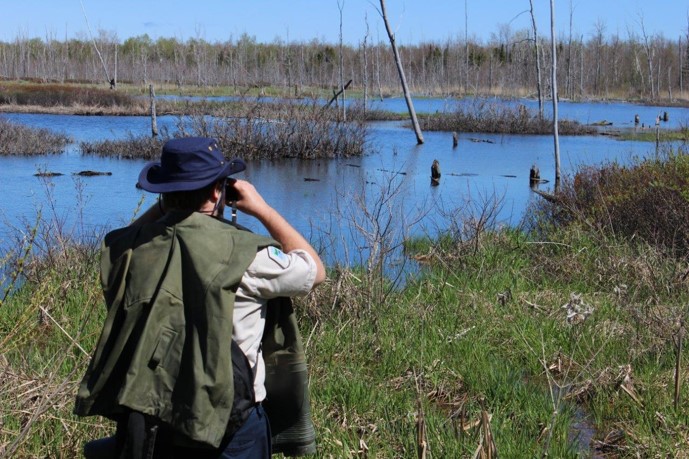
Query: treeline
(637, 66)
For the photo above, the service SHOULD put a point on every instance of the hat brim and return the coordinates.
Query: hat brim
(153, 179)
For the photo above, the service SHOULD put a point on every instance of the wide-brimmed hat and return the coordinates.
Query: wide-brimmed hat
(186, 164)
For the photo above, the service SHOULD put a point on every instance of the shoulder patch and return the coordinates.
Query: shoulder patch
(278, 256)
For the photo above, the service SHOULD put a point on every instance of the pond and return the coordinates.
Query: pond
(322, 197)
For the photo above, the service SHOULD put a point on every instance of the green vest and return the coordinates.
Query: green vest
(164, 350)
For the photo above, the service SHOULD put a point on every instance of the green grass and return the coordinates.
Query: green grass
(650, 135)
(479, 343)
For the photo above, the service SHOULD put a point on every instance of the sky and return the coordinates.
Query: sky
(413, 21)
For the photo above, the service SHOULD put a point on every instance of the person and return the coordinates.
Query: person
(185, 290)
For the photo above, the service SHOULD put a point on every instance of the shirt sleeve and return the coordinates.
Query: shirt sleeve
(274, 273)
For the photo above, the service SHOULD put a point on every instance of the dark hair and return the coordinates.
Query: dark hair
(190, 200)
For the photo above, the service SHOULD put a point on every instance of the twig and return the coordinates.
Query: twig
(421, 440)
(632, 395)
(313, 330)
(678, 372)
(63, 330)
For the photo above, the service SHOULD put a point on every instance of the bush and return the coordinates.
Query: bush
(134, 147)
(280, 130)
(648, 200)
(499, 118)
(21, 140)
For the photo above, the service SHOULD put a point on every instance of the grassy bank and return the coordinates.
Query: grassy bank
(558, 338)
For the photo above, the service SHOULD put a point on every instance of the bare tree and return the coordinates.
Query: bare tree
(365, 64)
(340, 6)
(538, 61)
(599, 39)
(105, 68)
(400, 70)
(466, 48)
(553, 86)
(650, 54)
(568, 85)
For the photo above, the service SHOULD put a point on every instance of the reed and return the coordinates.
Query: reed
(18, 140)
(254, 130)
(52, 94)
(499, 118)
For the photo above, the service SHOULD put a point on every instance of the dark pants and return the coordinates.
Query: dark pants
(251, 441)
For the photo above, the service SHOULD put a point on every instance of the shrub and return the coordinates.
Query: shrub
(21, 140)
(499, 118)
(648, 200)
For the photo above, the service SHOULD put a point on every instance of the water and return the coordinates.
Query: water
(620, 114)
(483, 167)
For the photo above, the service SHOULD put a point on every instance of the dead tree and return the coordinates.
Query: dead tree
(553, 86)
(154, 121)
(343, 89)
(111, 81)
(538, 62)
(400, 70)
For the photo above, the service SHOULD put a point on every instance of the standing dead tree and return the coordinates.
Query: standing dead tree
(340, 6)
(400, 70)
(105, 68)
(553, 86)
(538, 61)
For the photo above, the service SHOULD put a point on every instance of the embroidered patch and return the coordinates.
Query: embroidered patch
(278, 256)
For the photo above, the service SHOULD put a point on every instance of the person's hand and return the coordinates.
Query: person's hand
(245, 196)
(252, 203)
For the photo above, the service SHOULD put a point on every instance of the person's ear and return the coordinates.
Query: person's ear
(216, 195)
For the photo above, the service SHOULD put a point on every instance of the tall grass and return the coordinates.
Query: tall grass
(50, 316)
(18, 140)
(260, 131)
(499, 118)
(52, 94)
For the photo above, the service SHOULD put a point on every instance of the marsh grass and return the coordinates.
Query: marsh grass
(253, 130)
(18, 140)
(50, 317)
(53, 94)
(499, 118)
(133, 147)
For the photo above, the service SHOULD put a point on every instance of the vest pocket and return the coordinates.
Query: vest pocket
(162, 349)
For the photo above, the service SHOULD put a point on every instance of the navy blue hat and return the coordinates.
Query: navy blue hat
(186, 164)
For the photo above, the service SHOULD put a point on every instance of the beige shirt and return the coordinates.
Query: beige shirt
(272, 274)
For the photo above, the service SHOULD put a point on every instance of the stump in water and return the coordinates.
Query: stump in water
(435, 173)
(455, 140)
(534, 175)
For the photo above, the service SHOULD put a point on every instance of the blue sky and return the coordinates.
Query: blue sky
(304, 20)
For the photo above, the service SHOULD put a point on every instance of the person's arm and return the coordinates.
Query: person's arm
(252, 203)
